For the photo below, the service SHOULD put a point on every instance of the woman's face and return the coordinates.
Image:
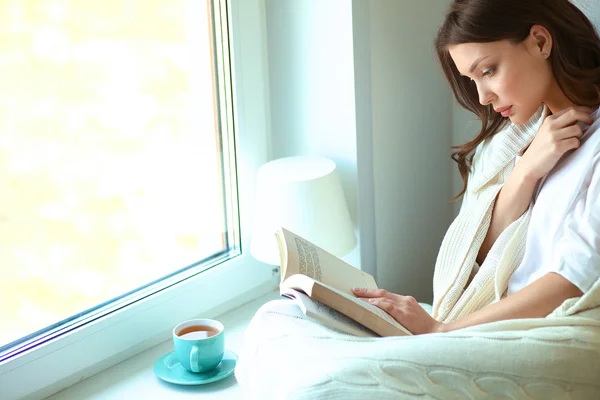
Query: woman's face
(517, 77)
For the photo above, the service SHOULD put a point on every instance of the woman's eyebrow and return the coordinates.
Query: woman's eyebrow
(480, 59)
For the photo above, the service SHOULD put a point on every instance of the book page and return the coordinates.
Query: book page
(327, 315)
(308, 259)
(316, 263)
(360, 311)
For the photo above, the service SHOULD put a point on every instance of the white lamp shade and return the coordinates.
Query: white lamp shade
(304, 195)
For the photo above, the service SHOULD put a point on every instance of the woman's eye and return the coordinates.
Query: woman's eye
(489, 72)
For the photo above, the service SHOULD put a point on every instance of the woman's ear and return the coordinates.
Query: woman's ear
(540, 41)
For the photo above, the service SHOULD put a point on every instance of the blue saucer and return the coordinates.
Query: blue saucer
(169, 369)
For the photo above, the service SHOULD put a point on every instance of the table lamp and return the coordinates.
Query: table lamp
(304, 195)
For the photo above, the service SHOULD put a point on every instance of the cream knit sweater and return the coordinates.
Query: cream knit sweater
(287, 355)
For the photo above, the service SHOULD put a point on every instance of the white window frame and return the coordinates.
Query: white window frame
(88, 350)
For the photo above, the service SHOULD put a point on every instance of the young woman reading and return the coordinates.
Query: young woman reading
(516, 282)
(510, 61)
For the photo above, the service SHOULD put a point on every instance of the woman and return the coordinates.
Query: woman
(515, 254)
(507, 60)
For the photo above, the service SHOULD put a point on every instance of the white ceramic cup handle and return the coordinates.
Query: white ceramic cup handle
(194, 359)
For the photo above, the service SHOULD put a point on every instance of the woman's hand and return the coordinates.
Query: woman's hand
(558, 134)
(404, 309)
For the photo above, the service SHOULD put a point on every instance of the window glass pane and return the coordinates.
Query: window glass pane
(111, 174)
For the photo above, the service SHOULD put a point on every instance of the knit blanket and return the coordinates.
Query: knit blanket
(287, 355)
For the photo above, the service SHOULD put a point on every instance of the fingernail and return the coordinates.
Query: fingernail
(354, 289)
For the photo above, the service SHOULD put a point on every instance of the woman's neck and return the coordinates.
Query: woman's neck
(556, 99)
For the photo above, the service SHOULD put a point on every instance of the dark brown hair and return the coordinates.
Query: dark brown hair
(575, 55)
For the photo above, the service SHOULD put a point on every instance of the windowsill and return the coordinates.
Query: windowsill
(134, 378)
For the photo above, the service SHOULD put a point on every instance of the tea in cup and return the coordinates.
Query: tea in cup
(199, 344)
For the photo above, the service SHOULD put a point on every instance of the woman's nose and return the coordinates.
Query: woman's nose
(485, 96)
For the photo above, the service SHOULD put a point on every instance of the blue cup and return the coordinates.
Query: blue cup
(199, 344)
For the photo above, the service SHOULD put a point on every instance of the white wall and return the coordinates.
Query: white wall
(312, 87)
(591, 8)
(412, 133)
(357, 81)
(364, 134)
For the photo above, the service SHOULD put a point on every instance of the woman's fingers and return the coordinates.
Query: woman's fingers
(374, 293)
(407, 311)
(366, 294)
(569, 144)
(566, 110)
(381, 302)
(385, 304)
(396, 310)
(566, 129)
(573, 131)
(571, 115)
(564, 134)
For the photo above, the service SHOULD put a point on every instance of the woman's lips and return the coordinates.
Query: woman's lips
(505, 111)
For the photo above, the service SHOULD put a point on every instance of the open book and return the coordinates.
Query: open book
(321, 284)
